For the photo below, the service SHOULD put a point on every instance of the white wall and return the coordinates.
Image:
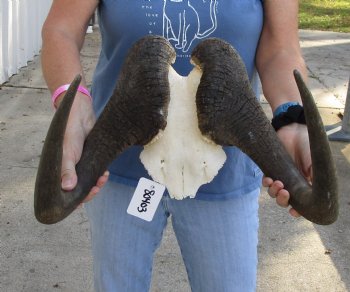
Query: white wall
(20, 33)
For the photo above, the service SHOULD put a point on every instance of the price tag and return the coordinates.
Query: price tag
(146, 198)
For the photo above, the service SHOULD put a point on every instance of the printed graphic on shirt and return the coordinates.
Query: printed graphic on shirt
(183, 21)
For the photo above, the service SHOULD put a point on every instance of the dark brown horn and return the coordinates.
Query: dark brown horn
(229, 114)
(135, 113)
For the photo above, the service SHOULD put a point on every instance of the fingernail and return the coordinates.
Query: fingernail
(67, 183)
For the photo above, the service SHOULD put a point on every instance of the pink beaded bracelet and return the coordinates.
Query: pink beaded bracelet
(64, 88)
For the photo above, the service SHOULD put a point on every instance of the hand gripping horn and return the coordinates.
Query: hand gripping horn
(134, 115)
(229, 114)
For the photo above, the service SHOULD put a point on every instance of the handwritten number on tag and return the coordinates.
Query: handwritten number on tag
(145, 200)
(147, 195)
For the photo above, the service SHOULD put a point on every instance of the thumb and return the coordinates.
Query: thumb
(68, 175)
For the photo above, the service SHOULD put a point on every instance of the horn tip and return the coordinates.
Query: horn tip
(77, 78)
(297, 74)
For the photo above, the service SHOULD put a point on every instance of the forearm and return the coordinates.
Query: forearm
(279, 52)
(277, 78)
(60, 58)
(63, 36)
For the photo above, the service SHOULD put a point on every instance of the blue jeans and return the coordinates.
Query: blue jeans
(218, 241)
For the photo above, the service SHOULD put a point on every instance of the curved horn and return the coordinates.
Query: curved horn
(229, 114)
(134, 115)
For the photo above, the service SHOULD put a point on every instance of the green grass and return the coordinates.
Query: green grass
(333, 15)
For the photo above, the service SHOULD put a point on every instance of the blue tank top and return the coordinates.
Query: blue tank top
(184, 23)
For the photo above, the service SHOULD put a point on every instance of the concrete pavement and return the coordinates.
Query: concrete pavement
(294, 255)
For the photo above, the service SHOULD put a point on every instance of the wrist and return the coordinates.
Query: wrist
(286, 114)
(284, 107)
(58, 94)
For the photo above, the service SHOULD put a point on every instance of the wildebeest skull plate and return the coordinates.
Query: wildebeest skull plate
(180, 157)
